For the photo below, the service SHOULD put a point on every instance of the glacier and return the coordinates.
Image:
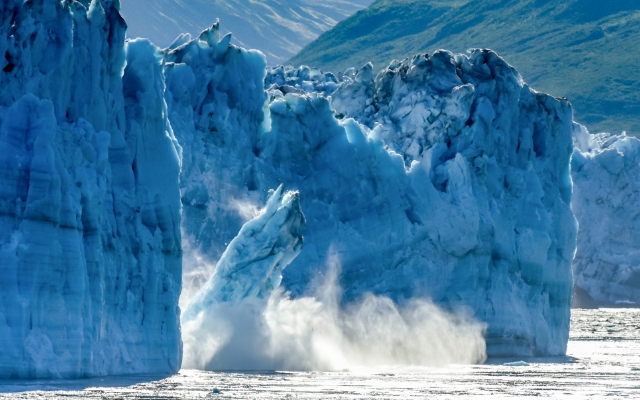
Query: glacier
(90, 241)
(445, 176)
(606, 176)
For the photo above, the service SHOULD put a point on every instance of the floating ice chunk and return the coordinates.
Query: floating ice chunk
(517, 364)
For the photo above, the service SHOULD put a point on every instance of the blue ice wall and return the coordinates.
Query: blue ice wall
(90, 244)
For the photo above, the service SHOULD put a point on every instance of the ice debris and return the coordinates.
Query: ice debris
(517, 364)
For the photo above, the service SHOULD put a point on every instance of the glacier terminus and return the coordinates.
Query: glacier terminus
(443, 184)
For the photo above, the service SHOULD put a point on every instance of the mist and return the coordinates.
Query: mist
(196, 271)
(318, 333)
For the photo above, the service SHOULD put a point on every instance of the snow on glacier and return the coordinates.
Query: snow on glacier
(90, 244)
(443, 177)
(606, 176)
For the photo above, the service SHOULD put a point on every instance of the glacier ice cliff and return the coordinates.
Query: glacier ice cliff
(606, 176)
(90, 241)
(445, 176)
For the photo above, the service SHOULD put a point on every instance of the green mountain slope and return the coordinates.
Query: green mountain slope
(585, 50)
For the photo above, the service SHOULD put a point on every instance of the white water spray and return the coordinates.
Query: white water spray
(318, 333)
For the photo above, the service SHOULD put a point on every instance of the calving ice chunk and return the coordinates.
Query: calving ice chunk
(224, 325)
(90, 247)
(252, 265)
(606, 176)
(444, 176)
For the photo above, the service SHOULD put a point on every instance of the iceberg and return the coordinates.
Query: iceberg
(606, 176)
(90, 241)
(444, 177)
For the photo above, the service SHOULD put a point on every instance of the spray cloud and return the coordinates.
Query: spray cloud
(318, 333)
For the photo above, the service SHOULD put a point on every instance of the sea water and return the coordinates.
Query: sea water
(603, 360)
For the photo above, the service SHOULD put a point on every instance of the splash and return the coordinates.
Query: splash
(317, 333)
(246, 208)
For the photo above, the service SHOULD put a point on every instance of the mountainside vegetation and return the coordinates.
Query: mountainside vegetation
(584, 50)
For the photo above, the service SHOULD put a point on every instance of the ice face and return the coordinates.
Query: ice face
(606, 176)
(90, 246)
(445, 177)
(493, 156)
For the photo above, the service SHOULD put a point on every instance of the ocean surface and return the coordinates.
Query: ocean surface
(603, 360)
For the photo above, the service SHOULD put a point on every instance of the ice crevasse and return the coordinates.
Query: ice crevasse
(444, 176)
(90, 242)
